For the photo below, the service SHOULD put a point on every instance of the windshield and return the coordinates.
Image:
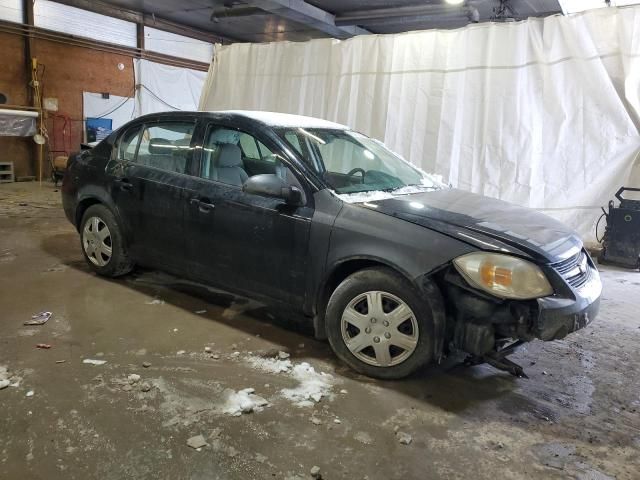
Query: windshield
(354, 163)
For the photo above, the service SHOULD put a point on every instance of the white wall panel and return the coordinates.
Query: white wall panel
(177, 45)
(82, 23)
(11, 11)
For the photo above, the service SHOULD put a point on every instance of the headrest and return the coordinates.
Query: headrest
(229, 156)
(160, 146)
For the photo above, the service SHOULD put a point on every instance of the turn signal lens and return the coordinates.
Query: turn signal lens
(503, 275)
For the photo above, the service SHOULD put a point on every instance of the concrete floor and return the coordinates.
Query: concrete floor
(577, 416)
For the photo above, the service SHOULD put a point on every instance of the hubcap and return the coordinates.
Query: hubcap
(96, 241)
(379, 329)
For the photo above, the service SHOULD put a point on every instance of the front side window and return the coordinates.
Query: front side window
(353, 163)
(231, 156)
(166, 146)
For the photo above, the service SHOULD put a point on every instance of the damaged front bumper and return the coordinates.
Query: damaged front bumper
(559, 316)
(480, 324)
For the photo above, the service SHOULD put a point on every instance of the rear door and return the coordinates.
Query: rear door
(240, 241)
(149, 189)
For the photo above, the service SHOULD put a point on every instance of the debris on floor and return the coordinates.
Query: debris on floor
(283, 355)
(44, 346)
(363, 437)
(4, 373)
(30, 393)
(39, 318)
(155, 301)
(243, 401)
(146, 364)
(133, 378)
(315, 472)
(197, 442)
(91, 361)
(4, 383)
(404, 438)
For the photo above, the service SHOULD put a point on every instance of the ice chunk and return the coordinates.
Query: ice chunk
(243, 401)
(312, 385)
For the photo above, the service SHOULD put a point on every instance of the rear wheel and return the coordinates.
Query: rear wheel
(379, 325)
(102, 243)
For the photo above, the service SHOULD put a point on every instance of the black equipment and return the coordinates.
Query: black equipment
(621, 240)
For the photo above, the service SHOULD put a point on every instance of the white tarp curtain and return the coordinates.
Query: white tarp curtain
(161, 88)
(542, 113)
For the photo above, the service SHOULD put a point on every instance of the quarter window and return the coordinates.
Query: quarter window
(128, 144)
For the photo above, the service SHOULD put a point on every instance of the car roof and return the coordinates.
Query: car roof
(275, 119)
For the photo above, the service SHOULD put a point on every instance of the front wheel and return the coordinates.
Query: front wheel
(379, 325)
(103, 243)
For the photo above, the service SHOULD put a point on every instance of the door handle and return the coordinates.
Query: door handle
(124, 184)
(203, 204)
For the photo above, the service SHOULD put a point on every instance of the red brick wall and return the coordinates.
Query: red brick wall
(13, 84)
(69, 70)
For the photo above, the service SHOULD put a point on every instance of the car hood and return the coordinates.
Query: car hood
(476, 219)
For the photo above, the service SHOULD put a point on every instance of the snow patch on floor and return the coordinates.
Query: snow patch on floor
(269, 365)
(313, 386)
(243, 401)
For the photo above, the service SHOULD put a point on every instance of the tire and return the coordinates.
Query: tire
(102, 243)
(409, 342)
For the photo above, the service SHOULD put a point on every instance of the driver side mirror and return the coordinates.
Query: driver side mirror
(270, 185)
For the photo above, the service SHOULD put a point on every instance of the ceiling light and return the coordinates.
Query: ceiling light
(454, 2)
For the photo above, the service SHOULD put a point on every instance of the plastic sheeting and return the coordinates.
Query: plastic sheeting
(17, 123)
(163, 87)
(543, 113)
(118, 109)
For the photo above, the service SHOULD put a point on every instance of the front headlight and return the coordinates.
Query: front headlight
(503, 275)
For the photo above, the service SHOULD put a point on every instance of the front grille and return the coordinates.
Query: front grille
(575, 270)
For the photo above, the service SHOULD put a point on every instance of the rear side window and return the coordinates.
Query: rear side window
(128, 144)
(166, 146)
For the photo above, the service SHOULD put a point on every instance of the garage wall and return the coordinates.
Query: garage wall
(13, 85)
(69, 70)
(544, 113)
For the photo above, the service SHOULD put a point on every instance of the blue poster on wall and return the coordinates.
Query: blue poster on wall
(98, 128)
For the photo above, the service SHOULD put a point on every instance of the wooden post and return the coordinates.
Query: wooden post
(32, 92)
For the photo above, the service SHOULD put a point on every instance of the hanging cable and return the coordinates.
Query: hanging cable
(158, 98)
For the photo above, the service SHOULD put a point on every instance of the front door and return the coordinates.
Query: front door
(239, 241)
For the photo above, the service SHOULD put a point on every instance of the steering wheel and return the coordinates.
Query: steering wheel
(356, 170)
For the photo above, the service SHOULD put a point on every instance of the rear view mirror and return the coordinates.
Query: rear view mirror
(270, 185)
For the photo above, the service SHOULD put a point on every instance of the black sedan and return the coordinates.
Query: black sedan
(393, 267)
